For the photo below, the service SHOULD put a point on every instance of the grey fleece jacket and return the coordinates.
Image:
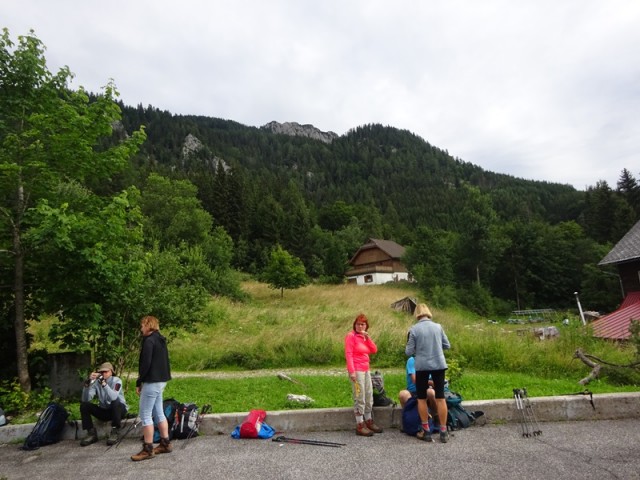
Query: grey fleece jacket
(107, 394)
(427, 342)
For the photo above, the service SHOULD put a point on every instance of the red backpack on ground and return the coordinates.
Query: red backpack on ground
(252, 424)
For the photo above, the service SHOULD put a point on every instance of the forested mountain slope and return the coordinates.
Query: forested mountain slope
(319, 198)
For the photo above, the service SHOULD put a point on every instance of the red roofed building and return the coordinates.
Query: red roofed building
(626, 255)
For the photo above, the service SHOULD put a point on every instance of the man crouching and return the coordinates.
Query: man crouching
(111, 406)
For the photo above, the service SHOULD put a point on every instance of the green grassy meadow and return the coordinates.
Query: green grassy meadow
(232, 359)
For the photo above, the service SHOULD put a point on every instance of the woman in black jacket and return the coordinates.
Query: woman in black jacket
(154, 372)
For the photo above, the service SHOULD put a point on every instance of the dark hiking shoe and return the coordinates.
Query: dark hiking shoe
(444, 436)
(113, 436)
(92, 437)
(424, 435)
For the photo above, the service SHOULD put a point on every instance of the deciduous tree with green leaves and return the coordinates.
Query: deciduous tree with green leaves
(50, 135)
(284, 271)
(91, 269)
(177, 223)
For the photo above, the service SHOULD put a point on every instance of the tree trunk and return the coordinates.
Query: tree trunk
(19, 323)
(595, 367)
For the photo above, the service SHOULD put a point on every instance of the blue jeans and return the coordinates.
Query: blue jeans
(151, 403)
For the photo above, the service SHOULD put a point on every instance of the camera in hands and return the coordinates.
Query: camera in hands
(100, 379)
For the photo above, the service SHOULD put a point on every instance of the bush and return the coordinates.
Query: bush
(14, 401)
(478, 299)
(455, 364)
(621, 375)
(443, 296)
(12, 398)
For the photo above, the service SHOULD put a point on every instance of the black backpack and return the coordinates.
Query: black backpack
(170, 407)
(48, 429)
(380, 398)
(185, 425)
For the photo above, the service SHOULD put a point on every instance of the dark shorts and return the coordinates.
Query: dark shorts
(422, 382)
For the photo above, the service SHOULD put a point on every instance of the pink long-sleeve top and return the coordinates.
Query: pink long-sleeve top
(357, 350)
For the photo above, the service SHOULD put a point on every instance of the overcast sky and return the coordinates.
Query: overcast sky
(538, 89)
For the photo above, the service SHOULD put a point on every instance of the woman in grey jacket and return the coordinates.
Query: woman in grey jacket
(427, 341)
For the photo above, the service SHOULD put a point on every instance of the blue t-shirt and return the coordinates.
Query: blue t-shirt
(411, 370)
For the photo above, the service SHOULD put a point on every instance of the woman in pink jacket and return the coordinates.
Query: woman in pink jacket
(357, 347)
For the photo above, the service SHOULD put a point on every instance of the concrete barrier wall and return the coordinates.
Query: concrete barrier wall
(608, 406)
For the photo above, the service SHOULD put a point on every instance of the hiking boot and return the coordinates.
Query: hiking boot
(113, 436)
(444, 436)
(362, 430)
(164, 447)
(372, 426)
(424, 435)
(92, 437)
(145, 454)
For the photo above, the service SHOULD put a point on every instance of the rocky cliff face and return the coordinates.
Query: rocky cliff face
(191, 145)
(295, 129)
(194, 148)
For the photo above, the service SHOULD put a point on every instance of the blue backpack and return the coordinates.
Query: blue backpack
(48, 429)
(170, 407)
(411, 423)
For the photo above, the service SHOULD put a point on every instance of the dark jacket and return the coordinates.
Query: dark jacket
(154, 360)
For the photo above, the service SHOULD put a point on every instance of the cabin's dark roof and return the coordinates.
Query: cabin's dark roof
(389, 247)
(627, 249)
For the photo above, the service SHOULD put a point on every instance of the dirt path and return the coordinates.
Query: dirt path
(291, 372)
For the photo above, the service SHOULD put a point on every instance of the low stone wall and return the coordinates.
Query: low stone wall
(606, 406)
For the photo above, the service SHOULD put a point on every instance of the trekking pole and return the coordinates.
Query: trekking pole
(300, 441)
(520, 407)
(528, 412)
(203, 411)
(532, 416)
(134, 425)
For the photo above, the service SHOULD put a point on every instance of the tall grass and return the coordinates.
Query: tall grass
(307, 328)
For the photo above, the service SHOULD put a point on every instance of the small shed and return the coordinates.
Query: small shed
(406, 304)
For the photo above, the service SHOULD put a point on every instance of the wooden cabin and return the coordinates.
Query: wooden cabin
(377, 262)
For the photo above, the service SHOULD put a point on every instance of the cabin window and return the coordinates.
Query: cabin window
(368, 279)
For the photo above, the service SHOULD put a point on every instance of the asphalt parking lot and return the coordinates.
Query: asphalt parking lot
(604, 449)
